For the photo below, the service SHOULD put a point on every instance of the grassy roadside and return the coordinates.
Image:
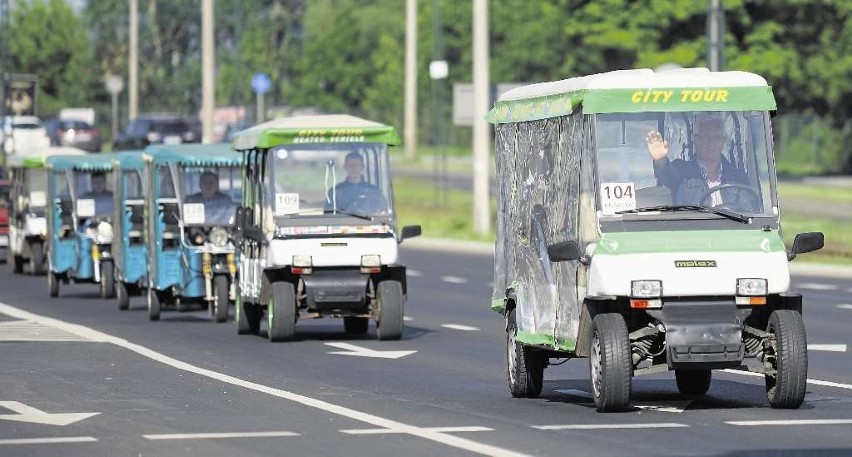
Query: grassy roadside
(415, 204)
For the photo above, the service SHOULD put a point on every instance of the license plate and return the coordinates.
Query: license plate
(172, 139)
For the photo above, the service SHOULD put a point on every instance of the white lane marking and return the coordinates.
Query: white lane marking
(664, 409)
(815, 382)
(32, 415)
(23, 330)
(464, 328)
(827, 347)
(51, 440)
(208, 436)
(844, 306)
(794, 422)
(382, 431)
(407, 319)
(816, 286)
(377, 421)
(575, 393)
(609, 426)
(358, 351)
(454, 279)
(413, 273)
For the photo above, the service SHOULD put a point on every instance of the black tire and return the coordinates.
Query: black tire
(222, 288)
(787, 356)
(153, 305)
(281, 314)
(524, 366)
(37, 258)
(355, 325)
(610, 363)
(52, 284)
(693, 382)
(122, 295)
(389, 322)
(107, 279)
(17, 264)
(248, 317)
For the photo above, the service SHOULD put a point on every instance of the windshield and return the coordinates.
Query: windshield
(327, 179)
(715, 160)
(210, 194)
(93, 190)
(35, 192)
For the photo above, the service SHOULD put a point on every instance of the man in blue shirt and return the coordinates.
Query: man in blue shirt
(355, 194)
(218, 207)
(690, 181)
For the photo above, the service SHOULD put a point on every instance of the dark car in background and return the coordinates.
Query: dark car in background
(145, 130)
(75, 133)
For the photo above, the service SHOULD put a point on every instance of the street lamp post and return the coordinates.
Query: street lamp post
(114, 85)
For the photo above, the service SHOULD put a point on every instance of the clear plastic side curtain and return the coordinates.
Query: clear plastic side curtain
(538, 175)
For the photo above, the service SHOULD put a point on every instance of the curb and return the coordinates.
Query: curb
(483, 248)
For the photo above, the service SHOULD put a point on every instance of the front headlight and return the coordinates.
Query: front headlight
(104, 232)
(646, 288)
(302, 261)
(218, 237)
(371, 260)
(91, 232)
(750, 287)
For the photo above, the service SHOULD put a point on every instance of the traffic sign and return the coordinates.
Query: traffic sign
(260, 83)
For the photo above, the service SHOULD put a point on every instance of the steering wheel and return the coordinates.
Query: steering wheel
(752, 204)
(365, 203)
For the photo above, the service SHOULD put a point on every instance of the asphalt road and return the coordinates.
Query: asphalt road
(188, 386)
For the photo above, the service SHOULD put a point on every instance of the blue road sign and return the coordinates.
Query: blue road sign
(260, 83)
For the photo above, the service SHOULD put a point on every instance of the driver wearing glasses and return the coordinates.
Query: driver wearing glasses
(692, 181)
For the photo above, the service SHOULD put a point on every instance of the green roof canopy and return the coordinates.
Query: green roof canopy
(39, 159)
(128, 160)
(337, 128)
(634, 91)
(88, 162)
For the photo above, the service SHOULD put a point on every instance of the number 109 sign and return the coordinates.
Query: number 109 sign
(617, 196)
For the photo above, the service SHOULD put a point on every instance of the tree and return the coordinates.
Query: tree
(48, 40)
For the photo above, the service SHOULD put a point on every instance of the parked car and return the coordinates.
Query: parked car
(145, 130)
(73, 132)
(22, 134)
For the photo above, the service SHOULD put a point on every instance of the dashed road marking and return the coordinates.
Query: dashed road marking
(815, 382)
(827, 347)
(794, 422)
(51, 440)
(464, 328)
(382, 431)
(24, 330)
(844, 306)
(407, 319)
(372, 419)
(413, 273)
(609, 426)
(208, 436)
(816, 286)
(454, 279)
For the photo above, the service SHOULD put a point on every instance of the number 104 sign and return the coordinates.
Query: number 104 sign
(617, 196)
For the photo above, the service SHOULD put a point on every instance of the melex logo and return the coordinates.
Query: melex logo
(695, 264)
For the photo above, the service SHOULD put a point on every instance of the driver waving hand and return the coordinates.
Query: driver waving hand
(354, 193)
(690, 181)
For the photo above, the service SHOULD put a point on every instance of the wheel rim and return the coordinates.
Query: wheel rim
(510, 355)
(771, 360)
(597, 365)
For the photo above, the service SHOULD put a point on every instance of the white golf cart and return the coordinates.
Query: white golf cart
(317, 232)
(639, 227)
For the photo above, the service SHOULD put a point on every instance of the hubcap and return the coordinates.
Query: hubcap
(597, 365)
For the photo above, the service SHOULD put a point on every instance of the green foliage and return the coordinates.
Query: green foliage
(48, 40)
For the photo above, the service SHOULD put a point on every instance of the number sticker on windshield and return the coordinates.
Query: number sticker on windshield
(85, 207)
(286, 203)
(193, 213)
(38, 198)
(617, 196)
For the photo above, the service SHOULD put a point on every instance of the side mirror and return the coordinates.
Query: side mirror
(807, 242)
(566, 250)
(410, 231)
